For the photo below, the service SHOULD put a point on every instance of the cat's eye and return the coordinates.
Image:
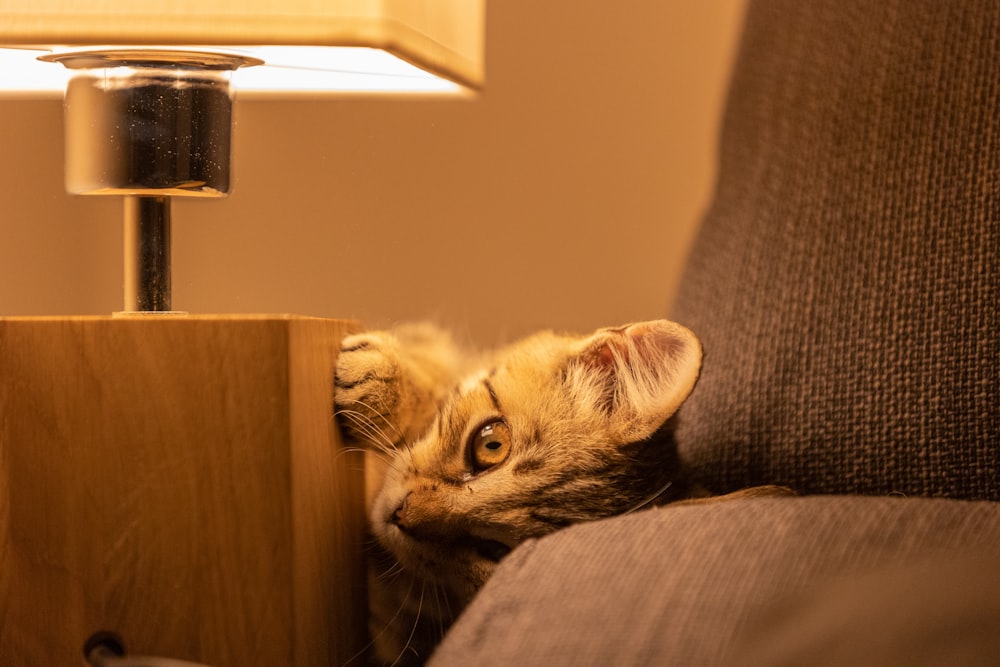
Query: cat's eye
(489, 446)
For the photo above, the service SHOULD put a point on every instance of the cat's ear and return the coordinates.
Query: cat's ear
(638, 375)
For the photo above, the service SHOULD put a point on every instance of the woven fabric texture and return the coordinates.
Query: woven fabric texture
(678, 585)
(845, 281)
(943, 609)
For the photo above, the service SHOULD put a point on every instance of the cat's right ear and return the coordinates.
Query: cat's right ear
(638, 375)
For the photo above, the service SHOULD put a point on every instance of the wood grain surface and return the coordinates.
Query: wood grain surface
(177, 480)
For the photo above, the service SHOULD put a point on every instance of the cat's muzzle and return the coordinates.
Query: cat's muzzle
(489, 549)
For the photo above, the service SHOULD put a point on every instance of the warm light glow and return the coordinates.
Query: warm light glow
(287, 69)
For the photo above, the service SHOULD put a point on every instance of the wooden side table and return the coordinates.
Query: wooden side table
(177, 480)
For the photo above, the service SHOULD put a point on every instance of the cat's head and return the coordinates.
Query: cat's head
(560, 430)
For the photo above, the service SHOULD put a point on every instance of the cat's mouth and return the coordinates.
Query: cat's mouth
(484, 547)
(491, 550)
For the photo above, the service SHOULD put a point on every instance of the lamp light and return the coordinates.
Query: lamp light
(150, 116)
(343, 40)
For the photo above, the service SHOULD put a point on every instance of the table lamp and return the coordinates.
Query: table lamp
(169, 482)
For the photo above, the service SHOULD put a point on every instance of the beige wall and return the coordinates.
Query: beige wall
(564, 197)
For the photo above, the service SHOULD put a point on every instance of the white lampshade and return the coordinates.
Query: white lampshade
(431, 46)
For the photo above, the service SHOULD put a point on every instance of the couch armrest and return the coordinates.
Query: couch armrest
(679, 585)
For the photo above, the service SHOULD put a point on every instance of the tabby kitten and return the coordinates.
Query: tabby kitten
(482, 454)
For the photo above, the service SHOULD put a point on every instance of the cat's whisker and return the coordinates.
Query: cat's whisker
(437, 605)
(378, 437)
(374, 410)
(360, 653)
(385, 628)
(345, 451)
(369, 429)
(388, 625)
(361, 422)
(365, 450)
(392, 573)
(383, 413)
(447, 608)
(651, 499)
(442, 604)
(358, 450)
(371, 545)
(364, 649)
(408, 646)
(384, 416)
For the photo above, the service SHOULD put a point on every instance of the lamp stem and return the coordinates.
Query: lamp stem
(147, 254)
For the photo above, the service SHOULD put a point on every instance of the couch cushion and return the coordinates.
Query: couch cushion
(677, 585)
(846, 281)
(940, 610)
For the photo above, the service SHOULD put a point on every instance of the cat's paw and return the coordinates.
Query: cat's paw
(367, 384)
(388, 384)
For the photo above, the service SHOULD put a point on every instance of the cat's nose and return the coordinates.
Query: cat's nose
(418, 518)
(400, 514)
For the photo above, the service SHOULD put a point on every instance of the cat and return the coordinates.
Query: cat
(479, 453)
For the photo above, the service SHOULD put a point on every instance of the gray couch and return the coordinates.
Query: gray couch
(846, 286)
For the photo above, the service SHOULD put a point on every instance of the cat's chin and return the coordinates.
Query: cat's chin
(462, 564)
(490, 550)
